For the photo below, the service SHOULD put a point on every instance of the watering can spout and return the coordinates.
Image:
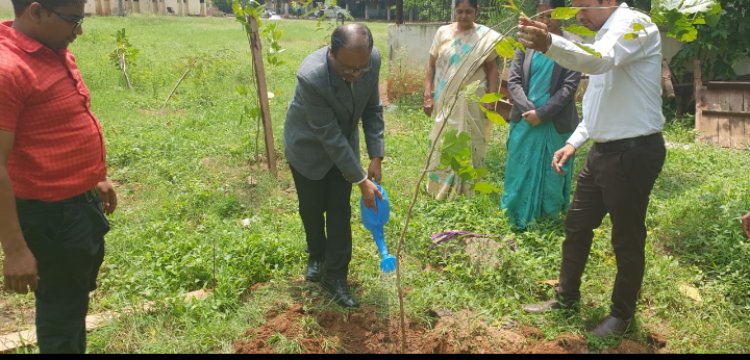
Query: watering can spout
(374, 222)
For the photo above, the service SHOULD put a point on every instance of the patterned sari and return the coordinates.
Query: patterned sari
(457, 57)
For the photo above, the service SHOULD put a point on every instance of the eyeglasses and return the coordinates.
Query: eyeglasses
(348, 70)
(75, 20)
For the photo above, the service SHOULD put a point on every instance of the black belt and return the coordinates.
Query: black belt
(625, 144)
(87, 197)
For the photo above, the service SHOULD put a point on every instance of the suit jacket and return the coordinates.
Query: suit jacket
(321, 122)
(561, 106)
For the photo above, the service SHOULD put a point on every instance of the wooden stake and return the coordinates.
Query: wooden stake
(260, 76)
(698, 95)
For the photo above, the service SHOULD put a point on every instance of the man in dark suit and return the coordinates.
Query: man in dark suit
(336, 87)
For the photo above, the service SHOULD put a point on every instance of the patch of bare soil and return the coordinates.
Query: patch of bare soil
(563, 344)
(364, 332)
(15, 315)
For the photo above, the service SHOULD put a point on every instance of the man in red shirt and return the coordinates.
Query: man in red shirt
(54, 191)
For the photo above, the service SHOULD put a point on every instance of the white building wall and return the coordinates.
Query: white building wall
(6, 6)
(158, 7)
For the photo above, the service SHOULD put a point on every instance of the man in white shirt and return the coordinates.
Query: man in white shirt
(622, 116)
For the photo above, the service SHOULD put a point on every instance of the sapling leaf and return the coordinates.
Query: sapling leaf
(564, 13)
(490, 98)
(486, 188)
(579, 30)
(504, 48)
(587, 49)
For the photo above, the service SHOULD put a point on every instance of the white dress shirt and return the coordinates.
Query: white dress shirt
(623, 97)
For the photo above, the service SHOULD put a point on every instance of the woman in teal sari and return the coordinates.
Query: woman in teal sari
(543, 116)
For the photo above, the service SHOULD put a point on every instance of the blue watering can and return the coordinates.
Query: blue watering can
(374, 221)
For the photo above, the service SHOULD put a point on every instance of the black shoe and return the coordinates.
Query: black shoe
(550, 305)
(314, 270)
(340, 291)
(612, 326)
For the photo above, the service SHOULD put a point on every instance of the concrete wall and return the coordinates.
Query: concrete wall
(413, 42)
(186, 7)
(410, 44)
(6, 6)
(155, 7)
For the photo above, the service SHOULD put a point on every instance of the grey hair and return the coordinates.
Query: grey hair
(344, 34)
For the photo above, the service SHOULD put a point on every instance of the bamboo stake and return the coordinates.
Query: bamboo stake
(260, 76)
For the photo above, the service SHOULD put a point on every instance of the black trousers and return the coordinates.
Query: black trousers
(67, 240)
(616, 179)
(326, 216)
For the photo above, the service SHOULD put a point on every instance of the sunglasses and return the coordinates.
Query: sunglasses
(77, 21)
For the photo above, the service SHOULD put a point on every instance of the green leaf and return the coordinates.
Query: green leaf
(512, 7)
(516, 44)
(238, 12)
(630, 36)
(564, 13)
(481, 172)
(638, 27)
(465, 171)
(492, 116)
(696, 6)
(713, 15)
(486, 188)
(690, 35)
(579, 30)
(490, 98)
(504, 48)
(588, 49)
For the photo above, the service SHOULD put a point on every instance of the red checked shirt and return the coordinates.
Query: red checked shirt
(58, 150)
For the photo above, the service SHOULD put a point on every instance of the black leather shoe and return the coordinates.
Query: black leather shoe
(314, 270)
(612, 326)
(340, 291)
(550, 305)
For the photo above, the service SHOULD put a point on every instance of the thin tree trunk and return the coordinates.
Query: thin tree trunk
(124, 68)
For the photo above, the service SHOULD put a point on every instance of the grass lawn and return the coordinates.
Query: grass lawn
(198, 210)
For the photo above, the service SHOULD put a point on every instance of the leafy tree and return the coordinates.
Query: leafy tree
(226, 5)
(223, 5)
(721, 44)
(640, 4)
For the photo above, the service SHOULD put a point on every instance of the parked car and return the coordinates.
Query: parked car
(332, 12)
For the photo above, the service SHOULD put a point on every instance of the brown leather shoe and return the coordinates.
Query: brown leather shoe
(612, 326)
(549, 305)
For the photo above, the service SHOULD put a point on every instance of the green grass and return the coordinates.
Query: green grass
(182, 178)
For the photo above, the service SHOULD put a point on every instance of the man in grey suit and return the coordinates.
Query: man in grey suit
(336, 87)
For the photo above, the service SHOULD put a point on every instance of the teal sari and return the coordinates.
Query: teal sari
(532, 189)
